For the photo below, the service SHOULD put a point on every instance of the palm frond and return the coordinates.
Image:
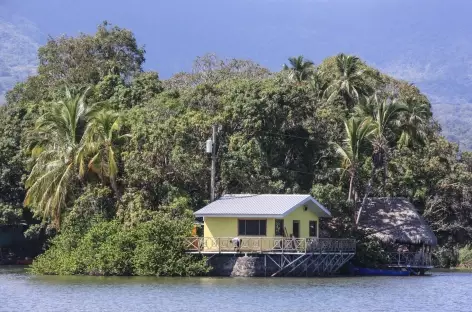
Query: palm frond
(300, 69)
(58, 156)
(350, 80)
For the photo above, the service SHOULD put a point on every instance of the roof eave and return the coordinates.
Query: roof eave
(391, 239)
(212, 215)
(320, 211)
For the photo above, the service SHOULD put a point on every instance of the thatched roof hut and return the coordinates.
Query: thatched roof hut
(395, 220)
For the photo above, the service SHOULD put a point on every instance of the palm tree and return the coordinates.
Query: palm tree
(413, 123)
(100, 141)
(358, 132)
(367, 106)
(55, 139)
(386, 116)
(349, 82)
(300, 69)
(386, 119)
(318, 85)
(65, 137)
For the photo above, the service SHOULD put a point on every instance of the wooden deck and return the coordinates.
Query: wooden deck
(280, 256)
(269, 245)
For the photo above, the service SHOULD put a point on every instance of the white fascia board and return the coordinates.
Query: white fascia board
(322, 207)
(306, 200)
(238, 216)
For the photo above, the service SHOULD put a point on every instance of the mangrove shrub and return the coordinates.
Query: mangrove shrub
(154, 247)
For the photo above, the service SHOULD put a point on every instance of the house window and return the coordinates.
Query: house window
(313, 228)
(252, 227)
(279, 227)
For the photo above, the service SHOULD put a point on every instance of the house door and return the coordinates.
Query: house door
(296, 228)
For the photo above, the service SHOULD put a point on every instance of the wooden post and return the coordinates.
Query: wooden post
(213, 164)
(219, 245)
(260, 244)
(265, 265)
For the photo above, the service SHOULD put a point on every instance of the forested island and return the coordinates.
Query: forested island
(104, 162)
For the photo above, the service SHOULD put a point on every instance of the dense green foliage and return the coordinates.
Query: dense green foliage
(106, 248)
(117, 170)
(465, 257)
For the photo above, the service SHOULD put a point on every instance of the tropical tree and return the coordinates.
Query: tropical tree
(358, 132)
(86, 59)
(367, 106)
(318, 84)
(385, 122)
(300, 69)
(66, 136)
(100, 142)
(349, 82)
(413, 123)
(55, 146)
(385, 115)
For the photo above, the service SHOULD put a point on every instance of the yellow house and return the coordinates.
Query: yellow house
(261, 219)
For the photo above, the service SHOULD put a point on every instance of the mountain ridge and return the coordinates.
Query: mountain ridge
(20, 41)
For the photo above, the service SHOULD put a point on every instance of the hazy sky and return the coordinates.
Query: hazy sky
(384, 32)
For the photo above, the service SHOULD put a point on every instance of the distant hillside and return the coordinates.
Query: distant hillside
(441, 66)
(19, 43)
(426, 42)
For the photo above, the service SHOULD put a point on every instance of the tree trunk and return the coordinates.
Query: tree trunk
(349, 197)
(384, 177)
(352, 193)
(368, 190)
(348, 101)
(114, 187)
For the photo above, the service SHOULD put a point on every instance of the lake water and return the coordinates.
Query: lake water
(447, 291)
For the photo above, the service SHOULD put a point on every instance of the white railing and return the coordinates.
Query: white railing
(413, 259)
(270, 244)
